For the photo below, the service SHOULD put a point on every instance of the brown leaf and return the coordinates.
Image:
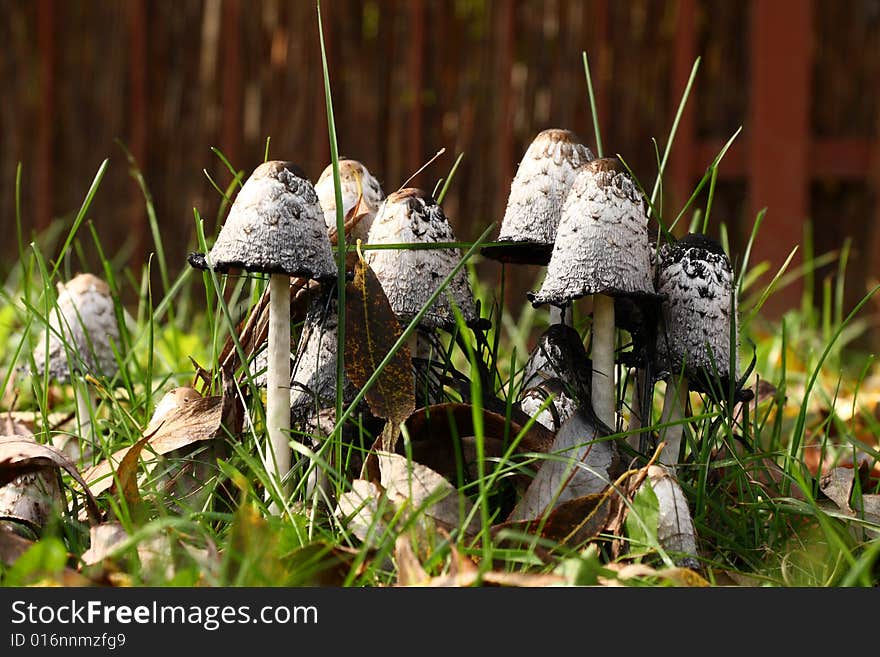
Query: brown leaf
(682, 577)
(425, 491)
(573, 522)
(19, 456)
(197, 420)
(580, 463)
(12, 546)
(104, 538)
(409, 570)
(359, 508)
(371, 329)
(837, 487)
(462, 572)
(443, 422)
(125, 482)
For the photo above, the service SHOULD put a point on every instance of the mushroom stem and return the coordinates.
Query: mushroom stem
(419, 346)
(278, 378)
(638, 414)
(559, 315)
(603, 359)
(674, 404)
(84, 408)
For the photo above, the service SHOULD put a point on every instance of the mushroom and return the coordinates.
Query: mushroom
(359, 187)
(410, 276)
(183, 473)
(79, 341)
(313, 379)
(698, 318)
(275, 227)
(534, 206)
(601, 250)
(558, 366)
(32, 499)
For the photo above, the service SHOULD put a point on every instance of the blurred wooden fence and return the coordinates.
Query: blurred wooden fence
(480, 77)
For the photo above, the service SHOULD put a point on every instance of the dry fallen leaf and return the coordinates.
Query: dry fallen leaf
(200, 419)
(104, 537)
(573, 522)
(359, 508)
(426, 492)
(462, 572)
(371, 329)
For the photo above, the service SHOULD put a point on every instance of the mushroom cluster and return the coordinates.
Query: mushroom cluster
(602, 250)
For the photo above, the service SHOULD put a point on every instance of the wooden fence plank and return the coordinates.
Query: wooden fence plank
(779, 130)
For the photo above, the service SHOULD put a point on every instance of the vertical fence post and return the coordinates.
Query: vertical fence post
(779, 127)
(137, 108)
(43, 203)
(232, 91)
(682, 157)
(415, 147)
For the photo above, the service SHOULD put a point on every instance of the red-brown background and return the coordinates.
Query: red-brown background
(479, 77)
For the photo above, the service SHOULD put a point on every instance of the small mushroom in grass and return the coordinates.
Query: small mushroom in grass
(534, 206)
(359, 188)
(79, 341)
(410, 276)
(275, 226)
(558, 366)
(601, 250)
(32, 499)
(183, 473)
(698, 318)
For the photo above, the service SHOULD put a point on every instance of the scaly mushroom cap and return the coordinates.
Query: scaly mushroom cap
(357, 183)
(410, 276)
(275, 226)
(537, 192)
(698, 312)
(84, 319)
(602, 241)
(313, 373)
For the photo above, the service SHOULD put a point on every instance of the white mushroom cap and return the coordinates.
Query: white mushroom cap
(313, 373)
(275, 226)
(410, 276)
(84, 319)
(698, 311)
(357, 184)
(537, 192)
(602, 241)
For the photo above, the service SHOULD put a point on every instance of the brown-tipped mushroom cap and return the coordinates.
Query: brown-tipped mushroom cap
(313, 373)
(86, 321)
(537, 192)
(698, 312)
(275, 226)
(410, 276)
(358, 184)
(602, 241)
